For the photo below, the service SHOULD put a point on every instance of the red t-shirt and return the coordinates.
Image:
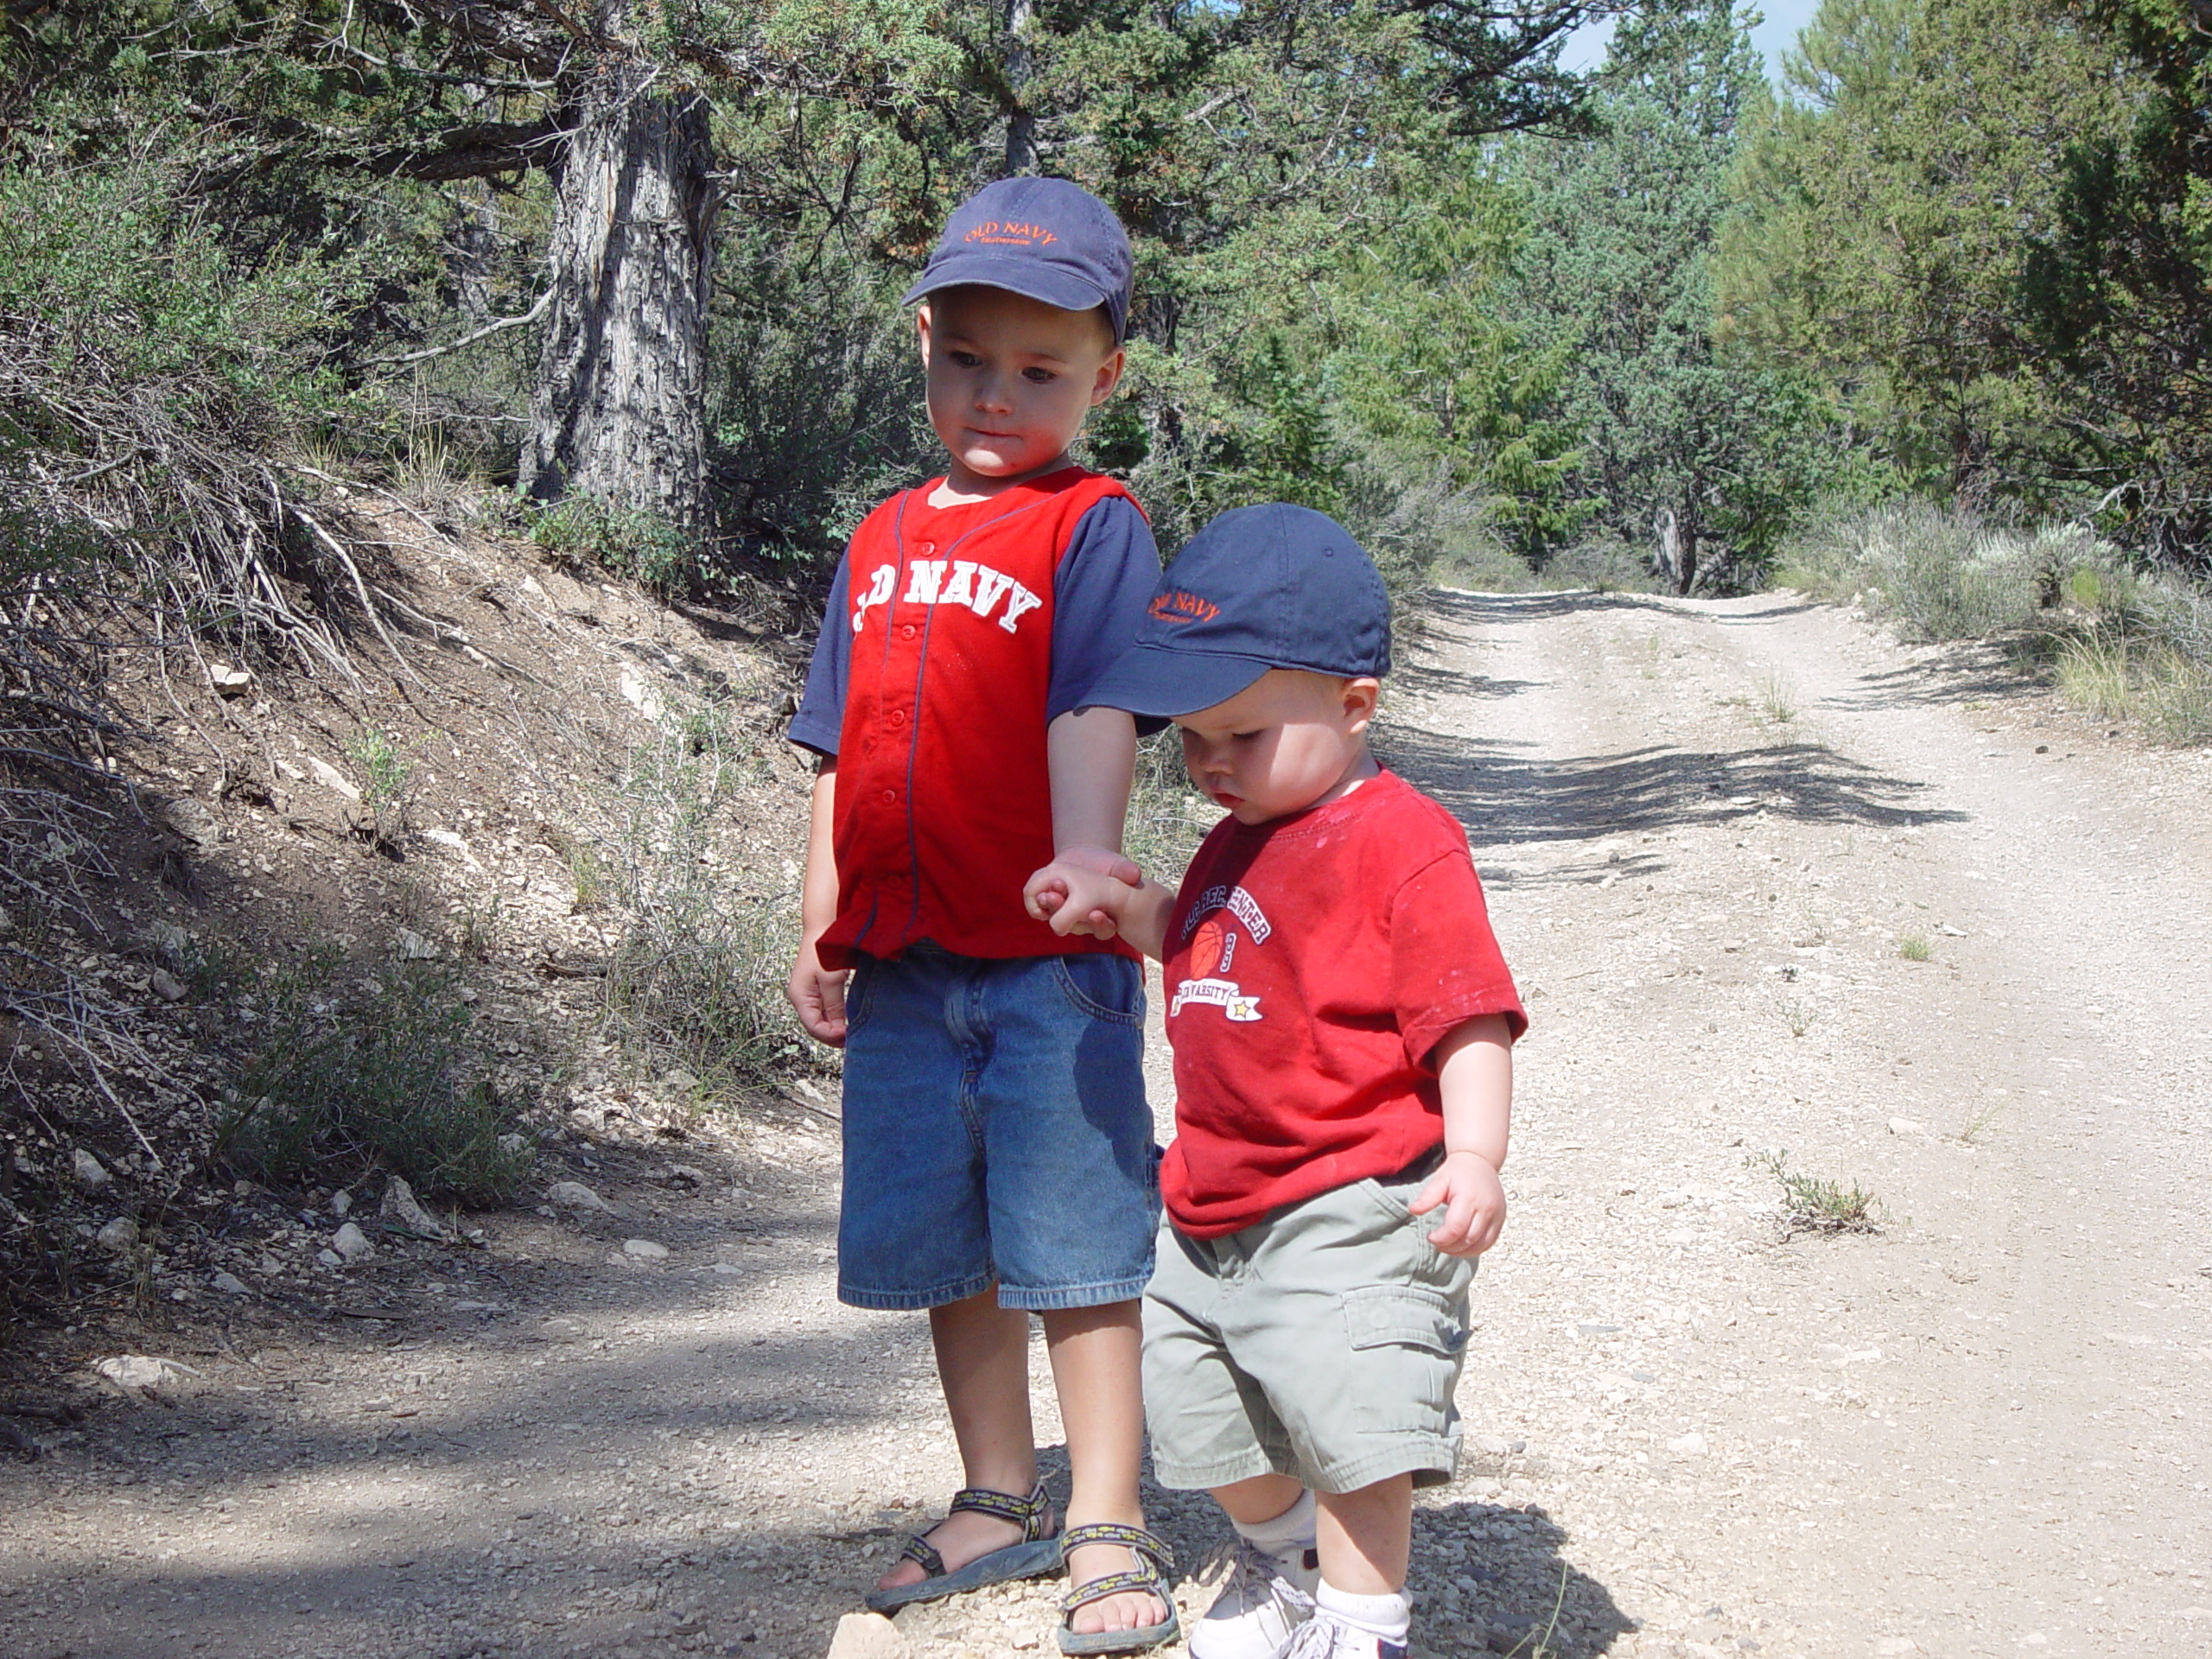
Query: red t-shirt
(1313, 962)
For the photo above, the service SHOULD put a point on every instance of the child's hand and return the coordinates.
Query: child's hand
(1473, 1201)
(819, 995)
(1082, 891)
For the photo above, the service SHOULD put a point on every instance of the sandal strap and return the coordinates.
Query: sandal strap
(1149, 1547)
(920, 1550)
(1142, 1579)
(1028, 1513)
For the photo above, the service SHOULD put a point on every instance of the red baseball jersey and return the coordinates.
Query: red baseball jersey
(954, 635)
(1314, 965)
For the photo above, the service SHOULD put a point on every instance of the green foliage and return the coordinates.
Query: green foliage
(1615, 279)
(385, 770)
(1814, 1203)
(696, 975)
(1886, 200)
(585, 530)
(354, 1075)
(1940, 573)
(2117, 287)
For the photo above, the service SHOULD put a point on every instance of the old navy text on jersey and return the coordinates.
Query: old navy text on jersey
(976, 585)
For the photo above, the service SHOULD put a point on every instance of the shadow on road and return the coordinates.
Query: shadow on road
(1506, 800)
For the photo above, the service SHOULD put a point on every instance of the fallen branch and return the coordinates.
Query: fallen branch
(485, 332)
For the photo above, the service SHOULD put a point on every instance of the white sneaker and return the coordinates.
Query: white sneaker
(1263, 1604)
(1323, 1636)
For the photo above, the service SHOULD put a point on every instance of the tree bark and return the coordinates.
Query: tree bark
(1677, 548)
(617, 409)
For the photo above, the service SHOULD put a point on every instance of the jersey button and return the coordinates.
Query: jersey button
(897, 717)
(923, 549)
(890, 797)
(907, 631)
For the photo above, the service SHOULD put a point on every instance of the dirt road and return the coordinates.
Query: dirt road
(1715, 835)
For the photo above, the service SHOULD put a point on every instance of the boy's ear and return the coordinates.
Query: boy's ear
(1109, 376)
(922, 324)
(1360, 696)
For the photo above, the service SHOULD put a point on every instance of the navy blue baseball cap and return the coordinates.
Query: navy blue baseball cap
(1258, 588)
(1047, 238)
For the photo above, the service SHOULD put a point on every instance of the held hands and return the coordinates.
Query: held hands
(1084, 890)
(1473, 1201)
(819, 995)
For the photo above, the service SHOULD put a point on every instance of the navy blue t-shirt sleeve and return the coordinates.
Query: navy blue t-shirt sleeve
(1105, 581)
(820, 721)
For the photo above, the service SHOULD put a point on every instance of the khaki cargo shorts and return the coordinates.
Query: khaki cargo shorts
(1323, 1343)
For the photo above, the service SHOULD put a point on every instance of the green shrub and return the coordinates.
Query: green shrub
(1814, 1203)
(586, 531)
(696, 977)
(380, 1073)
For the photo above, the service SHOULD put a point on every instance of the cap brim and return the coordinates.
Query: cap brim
(1162, 680)
(1023, 277)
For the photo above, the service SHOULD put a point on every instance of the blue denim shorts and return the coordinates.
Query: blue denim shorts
(996, 1132)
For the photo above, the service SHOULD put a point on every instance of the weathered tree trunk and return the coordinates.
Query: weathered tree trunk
(1677, 549)
(616, 411)
(1020, 122)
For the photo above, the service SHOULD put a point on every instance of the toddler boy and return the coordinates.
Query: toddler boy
(1342, 1027)
(998, 1151)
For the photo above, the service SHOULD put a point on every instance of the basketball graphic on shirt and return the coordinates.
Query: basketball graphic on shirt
(1206, 946)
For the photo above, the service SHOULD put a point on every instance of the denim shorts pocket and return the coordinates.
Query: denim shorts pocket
(1103, 987)
(1406, 1343)
(860, 993)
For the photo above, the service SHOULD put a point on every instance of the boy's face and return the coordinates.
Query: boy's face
(1010, 378)
(1288, 740)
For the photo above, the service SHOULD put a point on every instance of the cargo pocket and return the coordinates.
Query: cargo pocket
(1407, 1344)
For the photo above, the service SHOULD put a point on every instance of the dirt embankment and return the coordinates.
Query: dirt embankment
(1774, 888)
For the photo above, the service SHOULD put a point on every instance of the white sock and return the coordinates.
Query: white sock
(1289, 1536)
(1387, 1619)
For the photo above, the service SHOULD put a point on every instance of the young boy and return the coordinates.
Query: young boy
(1342, 1027)
(998, 1151)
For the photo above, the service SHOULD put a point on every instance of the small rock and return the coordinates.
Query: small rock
(514, 1145)
(7, 922)
(90, 1173)
(1508, 1633)
(230, 1284)
(680, 1082)
(120, 1236)
(1691, 1445)
(333, 779)
(399, 1203)
(689, 1174)
(192, 820)
(330, 1258)
(410, 946)
(1907, 1126)
(341, 1204)
(352, 1244)
(140, 1375)
(643, 1250)
(229, 682)
(170, 942)
(867, 1636)
(167, 985)
(1895, 1647)
(639, 693)
(574, 1195)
